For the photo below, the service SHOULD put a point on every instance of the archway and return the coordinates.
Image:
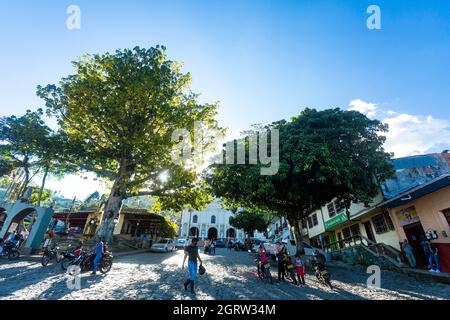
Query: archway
(231, 233)
(194, 232)
(17, 211)
(212, 233)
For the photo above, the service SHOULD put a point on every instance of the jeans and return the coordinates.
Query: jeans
(192, 269)
(433, 259)
(411, 259)
(97, 259)
(281, 271)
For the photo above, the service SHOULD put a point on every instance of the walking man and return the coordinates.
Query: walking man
(192, 253)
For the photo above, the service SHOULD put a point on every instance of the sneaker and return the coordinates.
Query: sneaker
(431, 270)
(93, 273)
(438, 271)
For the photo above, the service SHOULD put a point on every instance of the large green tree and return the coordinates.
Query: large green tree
(323, 155)
(120, 111)
(249, 221)
(21, 144)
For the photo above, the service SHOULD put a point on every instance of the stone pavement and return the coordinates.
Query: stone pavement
(230, 275)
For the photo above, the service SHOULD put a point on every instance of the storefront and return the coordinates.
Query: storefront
(424, 213)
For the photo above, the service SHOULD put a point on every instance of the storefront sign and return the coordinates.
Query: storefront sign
(407, 216)
(336, 220)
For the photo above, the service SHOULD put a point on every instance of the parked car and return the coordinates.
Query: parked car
(180, 243)
(163, 245)
(256, 243)
(292, 249)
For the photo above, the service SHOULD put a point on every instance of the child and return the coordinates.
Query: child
(290, 268)
(300, 270)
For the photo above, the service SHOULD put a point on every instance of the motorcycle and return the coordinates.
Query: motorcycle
(50, 254)
(322, 274)
(10, 250)
(264, 271)
(69, 256)
(85, 261)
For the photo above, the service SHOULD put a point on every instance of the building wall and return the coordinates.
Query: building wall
(390, 237)
(428, 209)
(204, 223)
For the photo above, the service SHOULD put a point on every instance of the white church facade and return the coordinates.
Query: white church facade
(211, 223)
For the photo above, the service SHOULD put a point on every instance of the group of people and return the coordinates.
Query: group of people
(288, 267)
(430, 251)
(209, 246)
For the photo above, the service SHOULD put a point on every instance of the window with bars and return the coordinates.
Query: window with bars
(389, 222)
(379, 224)
(354, 229)
(346, 233)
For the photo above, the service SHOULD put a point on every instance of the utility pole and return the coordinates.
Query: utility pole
(70, 211)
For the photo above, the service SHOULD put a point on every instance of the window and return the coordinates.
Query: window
(331, 210)
(338, 207)
(389, 221)
(354, 229)
(195, 219)
(314, 219)
(304, 223)
(346, 233)
(310, 223)
(379, 223)
(213, 219)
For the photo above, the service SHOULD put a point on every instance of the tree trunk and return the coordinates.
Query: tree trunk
(297, 235)
(41, 191)
(114, 204)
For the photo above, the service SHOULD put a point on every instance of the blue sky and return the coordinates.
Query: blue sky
(263, 60)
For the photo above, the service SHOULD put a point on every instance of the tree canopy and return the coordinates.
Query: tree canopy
(119, 112)
(249, 221)
(323, 155)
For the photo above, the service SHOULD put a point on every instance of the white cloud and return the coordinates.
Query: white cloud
(369, 109)
(408, 134)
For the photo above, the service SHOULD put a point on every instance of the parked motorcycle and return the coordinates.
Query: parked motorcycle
(51, 253)
(85, 261)
(69, 256)
(9, 249)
